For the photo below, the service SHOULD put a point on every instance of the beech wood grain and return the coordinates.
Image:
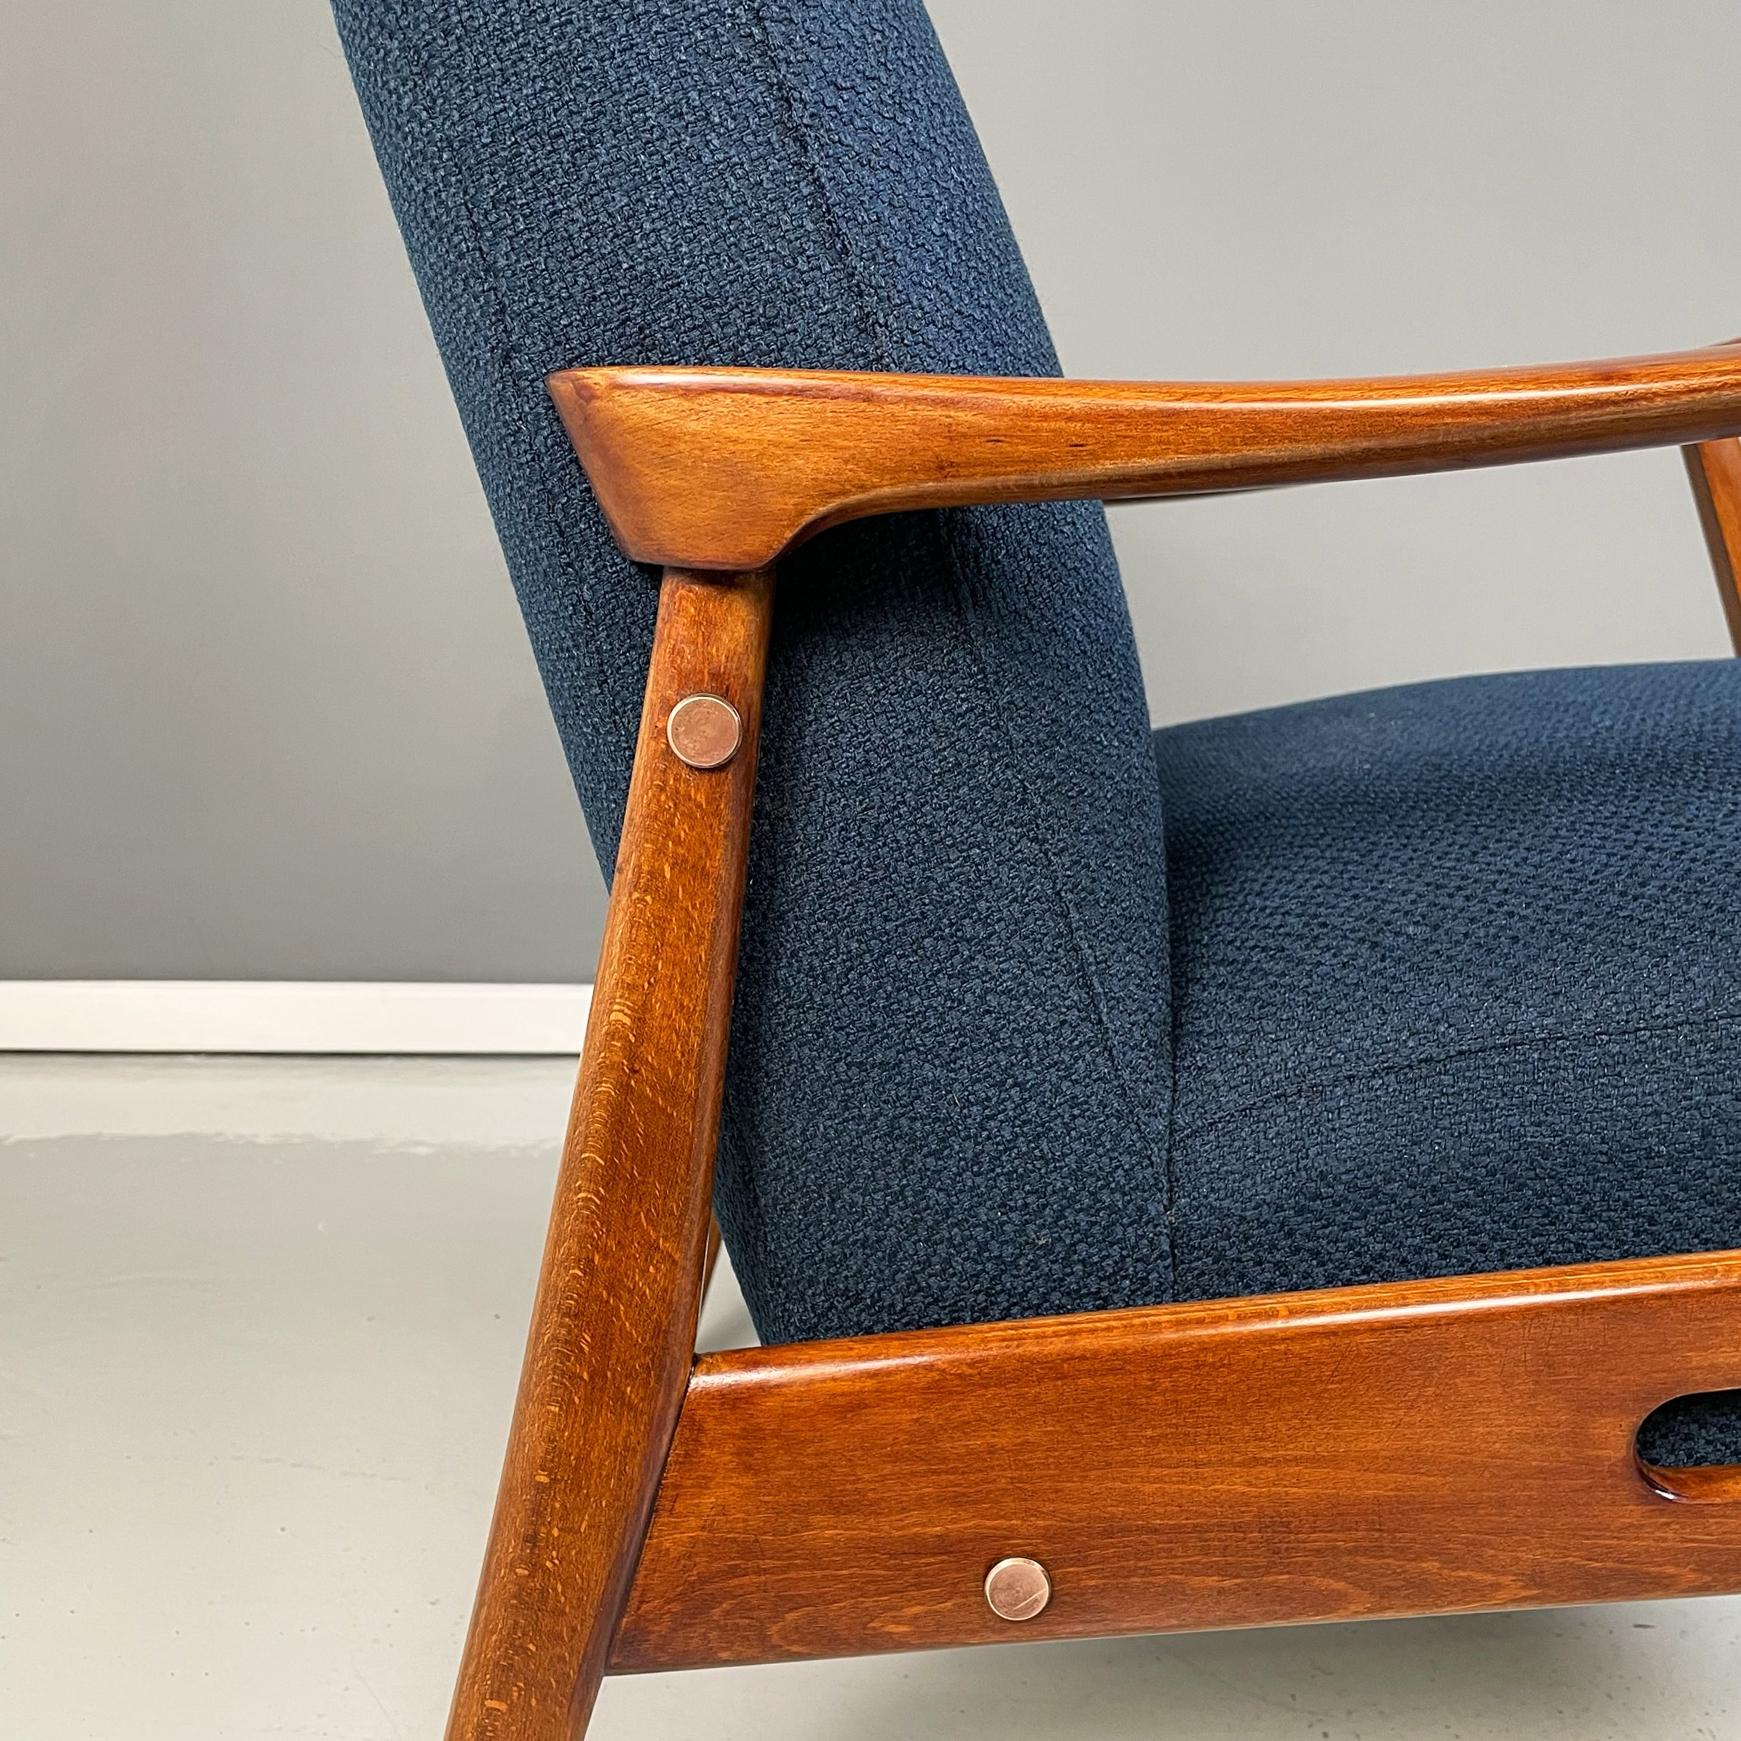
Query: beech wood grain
(711, 1258)
(1714, 468)
(728, 468)
(1423, 1447)
(613, 1325)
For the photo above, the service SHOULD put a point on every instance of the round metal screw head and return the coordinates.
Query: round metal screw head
(1017, 1589)
(704, 731)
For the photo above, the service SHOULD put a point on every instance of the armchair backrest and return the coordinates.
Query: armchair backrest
(952, 1011)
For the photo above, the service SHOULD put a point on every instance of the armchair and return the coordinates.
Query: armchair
(1264, 1171)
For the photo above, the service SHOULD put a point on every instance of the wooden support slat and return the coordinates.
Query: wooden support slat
(1714, 468)
(1432, 1446)
(613, 1326)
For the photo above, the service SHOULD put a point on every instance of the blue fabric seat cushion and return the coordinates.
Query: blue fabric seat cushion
(1457, 985)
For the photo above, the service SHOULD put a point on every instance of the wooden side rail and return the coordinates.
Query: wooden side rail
(1431, 1446)
(613, 1322)
(728, 468)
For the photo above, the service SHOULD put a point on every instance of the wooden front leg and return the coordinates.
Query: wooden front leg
(613, 1323)
(1715, 470)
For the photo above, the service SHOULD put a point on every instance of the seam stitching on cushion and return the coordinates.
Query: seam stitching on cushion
(862, 306)
(1088, 979)
(1495, 1046)
(1149, 1129)
(830, 221)
(507, 357)
(1174, 1003)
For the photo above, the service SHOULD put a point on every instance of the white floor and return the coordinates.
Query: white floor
(260, 1324)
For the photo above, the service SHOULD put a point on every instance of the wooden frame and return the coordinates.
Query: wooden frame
(1322, 1456)
(1414, 1447)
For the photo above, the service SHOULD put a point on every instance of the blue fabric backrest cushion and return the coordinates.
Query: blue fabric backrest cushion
(951, 1032)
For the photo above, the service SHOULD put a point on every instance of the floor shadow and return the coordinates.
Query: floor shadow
(1585, 1674)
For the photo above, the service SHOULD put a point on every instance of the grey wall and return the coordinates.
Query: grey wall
(266, 707)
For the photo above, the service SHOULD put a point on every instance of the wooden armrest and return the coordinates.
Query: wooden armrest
(728, 468)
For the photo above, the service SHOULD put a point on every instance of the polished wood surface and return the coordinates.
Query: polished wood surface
(1715, 470)
(613, 1326)
(710, 1259)
(727, 468)
(1431, 1446)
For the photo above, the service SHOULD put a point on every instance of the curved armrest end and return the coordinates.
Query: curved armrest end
(728, 468)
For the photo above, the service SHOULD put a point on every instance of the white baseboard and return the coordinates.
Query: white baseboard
(291, 1016)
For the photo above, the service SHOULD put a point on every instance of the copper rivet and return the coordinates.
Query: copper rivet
(1017, 1589)
(704, 731)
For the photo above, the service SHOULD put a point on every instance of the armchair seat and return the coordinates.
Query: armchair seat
(1457, 985)
(1004, 1009)
(1455, 988)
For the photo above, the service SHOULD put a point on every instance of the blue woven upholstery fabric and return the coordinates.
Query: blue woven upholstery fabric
(1457, 985)
(1451, 977)
(958, 877)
